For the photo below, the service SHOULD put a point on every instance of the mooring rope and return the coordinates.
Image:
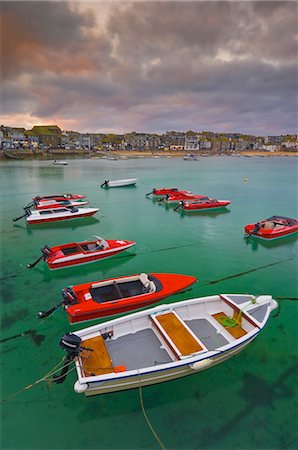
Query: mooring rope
(47, 378)
(147, 418)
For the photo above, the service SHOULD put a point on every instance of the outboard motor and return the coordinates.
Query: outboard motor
(180, 205)
(71, 343)
(46, 252)
(68, 297)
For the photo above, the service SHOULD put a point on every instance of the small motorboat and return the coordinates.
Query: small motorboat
(56, 214)
(163, 343)
(90, 301)
(112, 158)
(179, 196)
(52, 204)
(272, 228)
(60, 163)
(58, 197)
(119, 183)
(76, 253)
(190, 157)
(202, 204)
(163, 192)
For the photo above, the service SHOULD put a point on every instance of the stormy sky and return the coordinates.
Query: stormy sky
(115, 67)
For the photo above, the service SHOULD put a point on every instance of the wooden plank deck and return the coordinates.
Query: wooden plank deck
(235, 330)
(178, 333)
(97, 362)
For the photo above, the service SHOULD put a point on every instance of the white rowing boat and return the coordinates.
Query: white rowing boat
(119, 183)
(60, 163)
(163, 343)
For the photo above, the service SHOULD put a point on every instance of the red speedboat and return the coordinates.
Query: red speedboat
(179, 196)
(163, 192)
(58, 197)
(272, 228)
(73, 254)
(203, 204)
(51, 204)
(117, 295)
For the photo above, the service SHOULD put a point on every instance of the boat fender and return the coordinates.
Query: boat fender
(79, 388)
(69, 296)
(200, 365)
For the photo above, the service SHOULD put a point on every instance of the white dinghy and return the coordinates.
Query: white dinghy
(60, 163)
(119, 183)
(163, 343)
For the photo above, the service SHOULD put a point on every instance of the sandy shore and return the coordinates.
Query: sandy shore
(202, 154)
(67, 154)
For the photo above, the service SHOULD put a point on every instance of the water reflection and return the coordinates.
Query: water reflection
(255, 242)
(212, 213)
(97, 270)
(71, 224)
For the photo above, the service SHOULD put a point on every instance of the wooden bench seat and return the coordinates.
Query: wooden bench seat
(170, 326)
(233, 328)
(97, 362)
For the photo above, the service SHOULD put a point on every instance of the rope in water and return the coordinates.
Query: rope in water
(47, 378)
(147, 418)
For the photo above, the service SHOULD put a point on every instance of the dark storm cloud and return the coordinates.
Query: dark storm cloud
(155, 65)
(40, 36)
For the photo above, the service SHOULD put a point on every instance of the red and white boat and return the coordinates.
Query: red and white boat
(163, 192)
(77, 253)
(51, 204)
(203, 204)
(56, 214)
(272, 228)
(59, 197)
(179, 196)
(103, 298)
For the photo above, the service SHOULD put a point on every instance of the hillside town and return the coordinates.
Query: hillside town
(48, 138)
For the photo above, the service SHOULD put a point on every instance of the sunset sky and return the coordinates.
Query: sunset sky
(115, 67)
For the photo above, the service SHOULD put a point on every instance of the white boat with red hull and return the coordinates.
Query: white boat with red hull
(66, 196)
(51, 204)
(77, 253)
(56, 214)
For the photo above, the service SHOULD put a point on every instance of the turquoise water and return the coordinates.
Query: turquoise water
(248, 402)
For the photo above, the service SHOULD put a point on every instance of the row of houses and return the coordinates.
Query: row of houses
(49, 137)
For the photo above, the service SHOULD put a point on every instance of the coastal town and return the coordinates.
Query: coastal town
(46, 140)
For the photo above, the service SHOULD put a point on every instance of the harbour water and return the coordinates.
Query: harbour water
(248, 402)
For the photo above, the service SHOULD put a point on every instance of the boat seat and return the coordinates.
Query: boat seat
(268, 225)
(98, 361)
(231, 325)
(179, 337)
(71, 250)
(90, 247)
(106, 293)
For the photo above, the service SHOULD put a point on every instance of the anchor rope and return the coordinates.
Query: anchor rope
(147, 418)
(47, 377)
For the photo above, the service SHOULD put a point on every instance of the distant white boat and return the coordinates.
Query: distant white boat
(112, 158)
(60, 163)
(119, 183)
